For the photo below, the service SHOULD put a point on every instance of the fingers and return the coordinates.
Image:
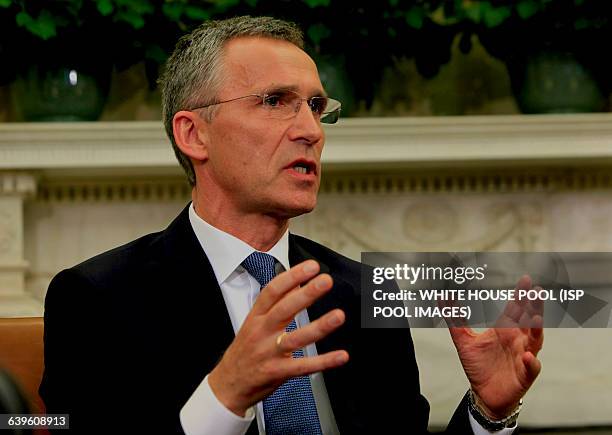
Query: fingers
(524, 283)
(283, 283)
(305, 366)
(536, 335)
(312, 332)
(522, 312)
(293, 302)
(259, 358)
(511, 315)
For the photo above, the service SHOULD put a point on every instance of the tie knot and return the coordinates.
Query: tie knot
(261, 266)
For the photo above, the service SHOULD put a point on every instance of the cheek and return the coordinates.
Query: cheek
(262, 147)
(231, 145)
(249, 148)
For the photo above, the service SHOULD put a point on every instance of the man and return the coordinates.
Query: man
(188, 330)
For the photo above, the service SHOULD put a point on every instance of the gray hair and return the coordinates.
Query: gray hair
(192, 75)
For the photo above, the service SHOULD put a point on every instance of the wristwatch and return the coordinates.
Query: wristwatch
(485, 421)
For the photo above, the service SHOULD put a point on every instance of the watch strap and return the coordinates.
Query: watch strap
(485, 421)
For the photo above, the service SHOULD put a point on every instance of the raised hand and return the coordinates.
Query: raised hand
(501, 363)
(259, 359)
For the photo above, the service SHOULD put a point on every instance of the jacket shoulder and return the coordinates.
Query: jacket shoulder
(334, 260)
(120, 260)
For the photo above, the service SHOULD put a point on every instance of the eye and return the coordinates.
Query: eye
(318, 104)
(273, 100)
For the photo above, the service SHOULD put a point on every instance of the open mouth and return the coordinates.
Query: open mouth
(303, 167)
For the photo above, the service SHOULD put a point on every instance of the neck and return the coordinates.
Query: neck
(260, 231)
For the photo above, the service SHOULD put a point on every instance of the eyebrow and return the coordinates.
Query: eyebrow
(284, 88)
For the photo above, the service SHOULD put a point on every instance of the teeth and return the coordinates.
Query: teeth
(301, 169)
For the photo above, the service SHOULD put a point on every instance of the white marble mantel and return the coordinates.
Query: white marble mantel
(506, 183)
(353, 142)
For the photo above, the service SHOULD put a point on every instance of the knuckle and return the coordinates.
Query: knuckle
(289, 341)
(252, 331)
(324, 326)
(272, 288)
(258, 354)
(295, 273)
(311, 290)
(271, 371)
(306, 337)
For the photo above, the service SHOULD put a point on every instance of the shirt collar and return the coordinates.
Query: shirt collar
(226, 252)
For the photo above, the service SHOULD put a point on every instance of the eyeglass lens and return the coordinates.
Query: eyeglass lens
(289, 102)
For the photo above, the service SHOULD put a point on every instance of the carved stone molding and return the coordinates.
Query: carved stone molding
(462, 140)
(83, 144)
(15, 187)
(9, 236)
(426, 223)
(105, 190)
(466, 180)
(356, 143)
(17, 183)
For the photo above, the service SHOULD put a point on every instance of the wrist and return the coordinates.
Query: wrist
(225, 396)
(489, 420)
(497, 414)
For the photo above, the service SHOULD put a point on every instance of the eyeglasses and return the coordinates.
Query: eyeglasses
(286, 105)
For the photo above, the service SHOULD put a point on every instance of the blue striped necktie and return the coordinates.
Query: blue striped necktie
(291, 409)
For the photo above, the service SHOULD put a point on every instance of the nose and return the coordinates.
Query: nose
(305, 126)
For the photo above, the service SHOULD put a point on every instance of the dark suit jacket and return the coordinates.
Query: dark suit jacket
(131, 333)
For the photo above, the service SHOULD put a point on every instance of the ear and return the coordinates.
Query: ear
(190, 133)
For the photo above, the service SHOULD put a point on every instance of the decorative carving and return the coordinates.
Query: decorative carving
(8, 234)
(17, 183)
(14, 188)
(345, 185)
(491, 181)
(428, 223)
(115, 191)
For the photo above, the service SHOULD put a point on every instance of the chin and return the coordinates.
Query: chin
(293, 209)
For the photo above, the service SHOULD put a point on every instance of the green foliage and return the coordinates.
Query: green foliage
(368, 34)
(122, 32)
(494, 16)
(318, 32)
(176, 11)
(105, 7)
(514, 30)
(527, 9)
(46, 20)
(44, 25)
(415, 17)
(316, 3)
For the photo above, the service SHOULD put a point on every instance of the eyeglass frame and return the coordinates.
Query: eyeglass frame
(297, 108)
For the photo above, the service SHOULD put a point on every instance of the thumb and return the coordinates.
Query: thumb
(532, 365)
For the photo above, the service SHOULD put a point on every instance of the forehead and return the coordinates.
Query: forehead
(254, 64)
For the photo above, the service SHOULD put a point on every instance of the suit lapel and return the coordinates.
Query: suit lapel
(339, 383)
(337, 298)
(196, 326)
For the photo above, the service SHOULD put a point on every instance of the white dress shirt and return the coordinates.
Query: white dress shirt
(204, 414)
